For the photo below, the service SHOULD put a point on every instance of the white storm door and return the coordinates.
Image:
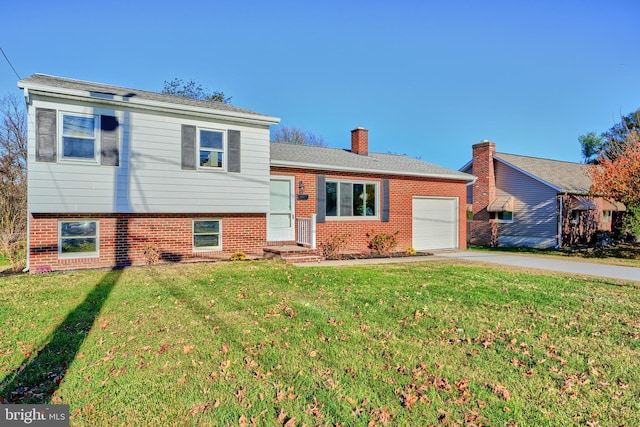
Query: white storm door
(281, 225)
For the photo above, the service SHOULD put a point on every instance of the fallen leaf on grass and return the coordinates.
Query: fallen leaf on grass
(501, 391)
(187, 349)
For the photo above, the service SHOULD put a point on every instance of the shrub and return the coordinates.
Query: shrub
(410, 251)
(16, 255)
(238, 256)
(382, 243)
(333, 245)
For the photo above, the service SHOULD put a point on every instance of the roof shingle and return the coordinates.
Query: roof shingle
(80, 85)
(568, 177)
(290, 155)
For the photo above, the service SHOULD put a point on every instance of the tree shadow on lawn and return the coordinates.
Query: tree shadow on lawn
(37, 379)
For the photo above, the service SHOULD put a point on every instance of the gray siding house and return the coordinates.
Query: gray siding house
(535, 202)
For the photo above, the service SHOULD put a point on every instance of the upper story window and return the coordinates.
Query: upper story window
(79, 136)
(606, 216)
(351, 199)
(211, 149)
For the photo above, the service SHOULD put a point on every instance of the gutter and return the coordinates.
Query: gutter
(298, 165)
(148, 105)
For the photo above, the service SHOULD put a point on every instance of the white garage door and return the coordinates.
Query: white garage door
(435, 223)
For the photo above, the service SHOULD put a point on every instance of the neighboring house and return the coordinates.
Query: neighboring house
(528, 201)
(121, 177)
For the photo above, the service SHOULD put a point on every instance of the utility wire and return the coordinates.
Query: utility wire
(10, 64)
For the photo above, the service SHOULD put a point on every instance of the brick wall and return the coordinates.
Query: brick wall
(401, 192)
(484, 191)
(124, 238)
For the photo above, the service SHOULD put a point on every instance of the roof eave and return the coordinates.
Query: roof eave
(316, 166)
(145, 104)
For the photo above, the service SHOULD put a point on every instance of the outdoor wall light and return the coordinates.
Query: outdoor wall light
(301, 187)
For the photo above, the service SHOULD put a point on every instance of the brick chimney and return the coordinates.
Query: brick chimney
(360, 141)
(484, 191)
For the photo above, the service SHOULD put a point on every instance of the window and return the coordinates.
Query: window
(351, 199)
(503, 216)
(206, 235)
(211, 149)
(78, 238)
(79, 137)
(575, 217)
(606, 215)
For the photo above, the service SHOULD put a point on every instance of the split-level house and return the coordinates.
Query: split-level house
(535, 202)
(120, 177)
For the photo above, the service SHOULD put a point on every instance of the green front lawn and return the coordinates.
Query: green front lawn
(263, 343)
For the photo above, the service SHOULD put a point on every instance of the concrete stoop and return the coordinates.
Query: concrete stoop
(292, 254)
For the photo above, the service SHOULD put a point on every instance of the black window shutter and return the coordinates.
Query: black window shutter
(385, 200)
(188, 147)
(109, 152)
(46, 135)
(321, 199)
(233, 144)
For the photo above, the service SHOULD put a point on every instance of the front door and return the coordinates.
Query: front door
(281, 226)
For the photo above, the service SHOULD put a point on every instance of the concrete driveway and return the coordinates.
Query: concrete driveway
(550, 264)
(526, 261)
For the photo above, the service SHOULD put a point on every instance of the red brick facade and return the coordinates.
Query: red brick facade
(123, 238)
(484, 192)
(401, 193)
(360, 141)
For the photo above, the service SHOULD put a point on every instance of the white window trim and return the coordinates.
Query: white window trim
(206, 248)
(224, 150)
(352, 217)
(95, 254)
(96, 138)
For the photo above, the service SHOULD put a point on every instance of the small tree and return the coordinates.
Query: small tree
(609, 144)
(191, 89)
(13, 180)
(297, 136)
(618, 178)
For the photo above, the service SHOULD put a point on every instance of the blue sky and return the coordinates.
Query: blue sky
(427, 78)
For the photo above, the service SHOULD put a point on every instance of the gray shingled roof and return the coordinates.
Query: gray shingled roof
(64, 83)
(568, 177)
(344, 160)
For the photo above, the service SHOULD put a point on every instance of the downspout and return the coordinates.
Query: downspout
(28, 263)
(26, 268)
(561, 202)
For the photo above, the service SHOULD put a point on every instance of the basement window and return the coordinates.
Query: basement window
(78, 239)
(207, 235)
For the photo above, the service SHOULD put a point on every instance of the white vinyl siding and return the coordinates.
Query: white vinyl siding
(149, 177)
(534, 208)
